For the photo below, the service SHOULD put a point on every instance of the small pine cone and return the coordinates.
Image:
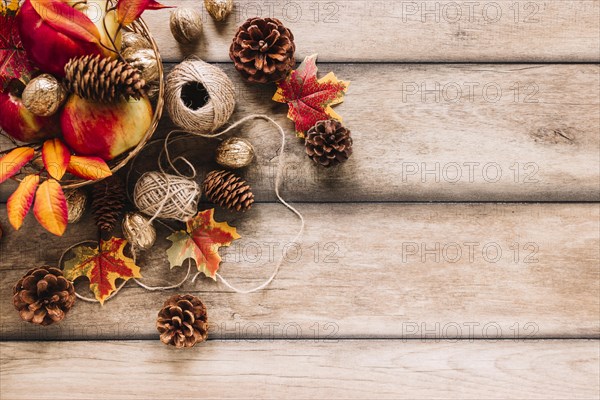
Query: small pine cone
(108, 201)
(43, 296)
(182, 322)
(228, 190)
(103, 79)
(263, 50)
(328, 143)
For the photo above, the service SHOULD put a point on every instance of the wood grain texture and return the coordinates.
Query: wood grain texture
(517, 133)
(408, 31)
(373, 369)
(361, 271)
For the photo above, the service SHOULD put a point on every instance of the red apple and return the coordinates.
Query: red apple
(50, 43)
(23, 125)
(105, 130)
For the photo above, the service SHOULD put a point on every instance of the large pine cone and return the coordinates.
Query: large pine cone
(263, 50)
(108, 201)
(103, 79)
(228, 190)
(43, 296)
(182, 322)
(328, 143)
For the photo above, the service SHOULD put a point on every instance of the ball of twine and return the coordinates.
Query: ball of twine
(220, 103)
(161, 195)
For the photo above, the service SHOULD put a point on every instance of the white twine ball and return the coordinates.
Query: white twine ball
(220, 97)
(161, 195)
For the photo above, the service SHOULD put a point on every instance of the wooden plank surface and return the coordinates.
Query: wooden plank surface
(413, 31)
(361, 271)
(374, 369)
(532, 134)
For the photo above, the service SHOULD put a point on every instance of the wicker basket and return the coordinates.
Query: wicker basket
(138, 26)
(116, 164)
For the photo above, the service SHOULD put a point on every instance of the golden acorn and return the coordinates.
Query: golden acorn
(76, 202)
(43, 95)
(235, 153)
(138, 231)
(186, 25)
(219, 9)
(133, 41)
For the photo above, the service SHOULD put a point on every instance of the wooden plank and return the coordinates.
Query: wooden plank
(408, 31)
(382, 369)
(414, 145)
(361, 271)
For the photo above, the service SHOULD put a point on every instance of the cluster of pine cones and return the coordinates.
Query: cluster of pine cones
(263, 51)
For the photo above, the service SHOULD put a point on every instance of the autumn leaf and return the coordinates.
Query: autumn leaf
(102, 267)
(13, 161)
(66, 20)
(90, 168)
(56, 157)
(201, 242)
(14, 63)
(310, 99)
(20, 201)
(50, 207)
(130, 10)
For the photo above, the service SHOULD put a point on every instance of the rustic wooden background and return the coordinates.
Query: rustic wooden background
(456, 255)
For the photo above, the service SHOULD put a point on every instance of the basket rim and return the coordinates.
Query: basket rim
(138, 26)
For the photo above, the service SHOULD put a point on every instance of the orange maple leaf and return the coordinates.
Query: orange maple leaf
(102, 266)
(310, 99)
(201, 242)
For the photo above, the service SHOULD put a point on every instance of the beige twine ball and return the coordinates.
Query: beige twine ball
(220, 99)
(166, 196)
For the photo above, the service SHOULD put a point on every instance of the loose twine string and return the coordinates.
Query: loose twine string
(162, 195)
(171, 162)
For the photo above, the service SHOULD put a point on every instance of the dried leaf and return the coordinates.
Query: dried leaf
(67, 20)
(201, 242)
(56, 157)
(14, 63)
(310, 99)
(12, 162)
(20, 201)
(50, 207)
(90, 168)
(102, 267)
(130, 10)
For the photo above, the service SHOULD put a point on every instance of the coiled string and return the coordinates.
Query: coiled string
(171, 161)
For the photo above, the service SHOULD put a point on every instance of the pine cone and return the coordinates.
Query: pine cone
(263, 50)
(182, 322)
(103, 79)
(228, 190)
(108, 201)
(43, 296)
(328, 143)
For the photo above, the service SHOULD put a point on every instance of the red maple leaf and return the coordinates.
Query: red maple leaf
(201, 242)
(102, 266)
(14, 63)
(310, 99)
